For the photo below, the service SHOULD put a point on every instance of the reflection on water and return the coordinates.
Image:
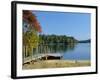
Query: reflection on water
(79, 51)
(53, 48)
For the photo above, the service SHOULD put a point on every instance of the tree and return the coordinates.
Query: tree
(30, 36)
(30, 18)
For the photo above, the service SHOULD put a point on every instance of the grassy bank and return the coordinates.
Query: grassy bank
(56, 64)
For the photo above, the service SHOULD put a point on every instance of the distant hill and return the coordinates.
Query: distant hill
(85, 41)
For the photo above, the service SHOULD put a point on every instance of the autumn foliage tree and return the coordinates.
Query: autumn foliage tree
(29, 17)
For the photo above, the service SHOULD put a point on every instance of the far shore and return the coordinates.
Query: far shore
(56, 64)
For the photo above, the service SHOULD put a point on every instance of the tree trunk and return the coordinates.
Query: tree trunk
(31, 53)
(23, 54)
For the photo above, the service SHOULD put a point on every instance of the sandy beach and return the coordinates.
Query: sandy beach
(56, 64)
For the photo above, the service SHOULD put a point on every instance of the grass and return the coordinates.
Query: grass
(56, 64)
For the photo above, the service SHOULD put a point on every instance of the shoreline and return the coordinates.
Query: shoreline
(55, 64)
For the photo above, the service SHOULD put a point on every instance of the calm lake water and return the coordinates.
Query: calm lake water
(79, 51)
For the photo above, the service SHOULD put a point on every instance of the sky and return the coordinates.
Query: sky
(65, 23)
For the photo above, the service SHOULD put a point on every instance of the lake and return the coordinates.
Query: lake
(81, 51)
(72, 51)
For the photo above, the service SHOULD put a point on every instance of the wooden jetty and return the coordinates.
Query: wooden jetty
(46, 56)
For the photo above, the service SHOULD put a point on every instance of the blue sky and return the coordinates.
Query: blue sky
(60, 23)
